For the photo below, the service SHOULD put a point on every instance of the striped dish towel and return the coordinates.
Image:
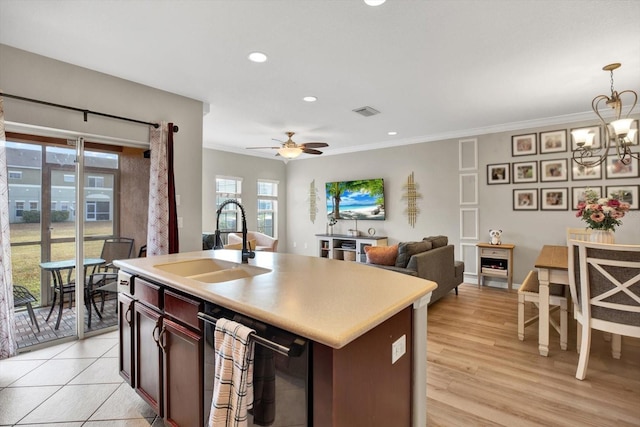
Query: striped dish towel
(232, 388)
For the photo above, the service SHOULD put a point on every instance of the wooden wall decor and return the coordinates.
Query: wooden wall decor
(313, 201)
(412, 196)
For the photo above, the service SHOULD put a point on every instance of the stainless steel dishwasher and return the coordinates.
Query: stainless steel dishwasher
(282, 381)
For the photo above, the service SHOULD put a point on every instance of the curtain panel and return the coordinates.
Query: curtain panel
(8, 344)
(162, 230)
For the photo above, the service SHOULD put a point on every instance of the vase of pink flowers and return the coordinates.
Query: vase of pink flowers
(602, 215)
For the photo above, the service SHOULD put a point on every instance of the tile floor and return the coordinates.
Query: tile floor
(70, 385)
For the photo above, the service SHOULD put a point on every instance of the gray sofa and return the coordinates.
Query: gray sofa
(433, 259)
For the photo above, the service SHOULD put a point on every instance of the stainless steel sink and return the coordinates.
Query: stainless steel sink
(208, 270)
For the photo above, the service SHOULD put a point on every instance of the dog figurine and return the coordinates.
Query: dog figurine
(496, 236)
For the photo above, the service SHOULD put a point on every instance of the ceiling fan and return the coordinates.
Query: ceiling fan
(291, 150)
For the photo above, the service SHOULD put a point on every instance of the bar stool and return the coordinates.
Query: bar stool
(529, 292)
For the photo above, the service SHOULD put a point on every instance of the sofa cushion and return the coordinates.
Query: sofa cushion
(381, 255)
(437, 241)
(408, 249)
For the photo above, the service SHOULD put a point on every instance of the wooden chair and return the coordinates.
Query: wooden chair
(582, 234)
(529, 292)
(605, 284)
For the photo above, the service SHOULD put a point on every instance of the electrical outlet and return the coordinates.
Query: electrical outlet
(398, 349)
(305, 245)
(177, 200)
(180, 222)
(295, 244)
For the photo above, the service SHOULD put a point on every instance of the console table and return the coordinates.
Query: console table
(346, 247)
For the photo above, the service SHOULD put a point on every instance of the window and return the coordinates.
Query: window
(69, 178)
(98, 211)
(228, 188)
(95, 181)
(15, 174)
(33, 206)
(267, 207)
(19, 209)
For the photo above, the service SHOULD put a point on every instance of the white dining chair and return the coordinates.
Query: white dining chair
(604, 280)
(582, 234)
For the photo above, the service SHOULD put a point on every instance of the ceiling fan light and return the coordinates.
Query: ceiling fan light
(374, 2)
(290, 152)
(310, 99)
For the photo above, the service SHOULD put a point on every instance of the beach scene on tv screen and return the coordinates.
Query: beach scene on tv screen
(363, 199)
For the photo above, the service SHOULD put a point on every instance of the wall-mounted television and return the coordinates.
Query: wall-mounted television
(362, 199)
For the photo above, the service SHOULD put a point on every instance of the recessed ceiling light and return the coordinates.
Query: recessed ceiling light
(374, 2)
(392, 133)
(310, 99)
(257, 57)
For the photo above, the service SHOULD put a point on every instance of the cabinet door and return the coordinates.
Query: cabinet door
(183, 375)
(125, 351)
(148, 355)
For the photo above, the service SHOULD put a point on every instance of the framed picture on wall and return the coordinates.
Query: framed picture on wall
(525, 199)
(554, 141)
(498, 174)
(617, 169)
(524, 145)
(554, 199)
(579, 172)
(626, 193)
(596, 136)
(525, 172)
(553, 170)
(578, 194)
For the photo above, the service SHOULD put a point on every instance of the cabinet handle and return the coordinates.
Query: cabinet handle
(127, 315)
(153, 333)
(161, 339)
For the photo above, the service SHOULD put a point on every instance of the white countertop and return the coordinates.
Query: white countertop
(328, 301)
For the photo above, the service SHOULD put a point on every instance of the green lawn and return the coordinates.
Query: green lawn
(25, 260)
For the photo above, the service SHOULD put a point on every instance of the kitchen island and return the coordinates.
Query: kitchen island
(358, 318)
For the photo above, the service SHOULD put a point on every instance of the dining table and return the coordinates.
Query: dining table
(553, 267)
(61, 285)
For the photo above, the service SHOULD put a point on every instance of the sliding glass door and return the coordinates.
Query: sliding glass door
(56, 193)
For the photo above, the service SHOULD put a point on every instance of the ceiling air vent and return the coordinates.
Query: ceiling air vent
(366, 111)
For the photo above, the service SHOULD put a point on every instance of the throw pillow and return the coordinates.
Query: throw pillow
(381, 255)
(437, 241)
(408, 249)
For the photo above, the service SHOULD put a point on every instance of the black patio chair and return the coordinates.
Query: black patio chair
(23, 298)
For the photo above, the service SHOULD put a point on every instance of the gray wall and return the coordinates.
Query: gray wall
(436, 169)
(250, 169)
(33, 76)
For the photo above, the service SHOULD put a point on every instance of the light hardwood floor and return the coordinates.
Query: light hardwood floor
(480, 374)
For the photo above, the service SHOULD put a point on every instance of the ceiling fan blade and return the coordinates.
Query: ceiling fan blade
(314, 144)
(311, 151)
(259, 148)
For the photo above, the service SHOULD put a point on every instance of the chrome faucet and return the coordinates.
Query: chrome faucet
(246, 250)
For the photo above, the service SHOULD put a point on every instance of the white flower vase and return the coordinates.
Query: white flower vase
(603, 236)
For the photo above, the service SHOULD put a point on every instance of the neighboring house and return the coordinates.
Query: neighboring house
(26, 180)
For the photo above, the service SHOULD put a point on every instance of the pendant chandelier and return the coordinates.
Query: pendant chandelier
(617, 133)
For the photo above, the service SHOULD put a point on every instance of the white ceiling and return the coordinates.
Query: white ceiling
(435, 69)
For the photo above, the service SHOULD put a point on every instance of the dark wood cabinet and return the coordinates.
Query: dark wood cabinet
(183, 375)
(359, 384)
(125, 320)
(148, 356)
(161, 351)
